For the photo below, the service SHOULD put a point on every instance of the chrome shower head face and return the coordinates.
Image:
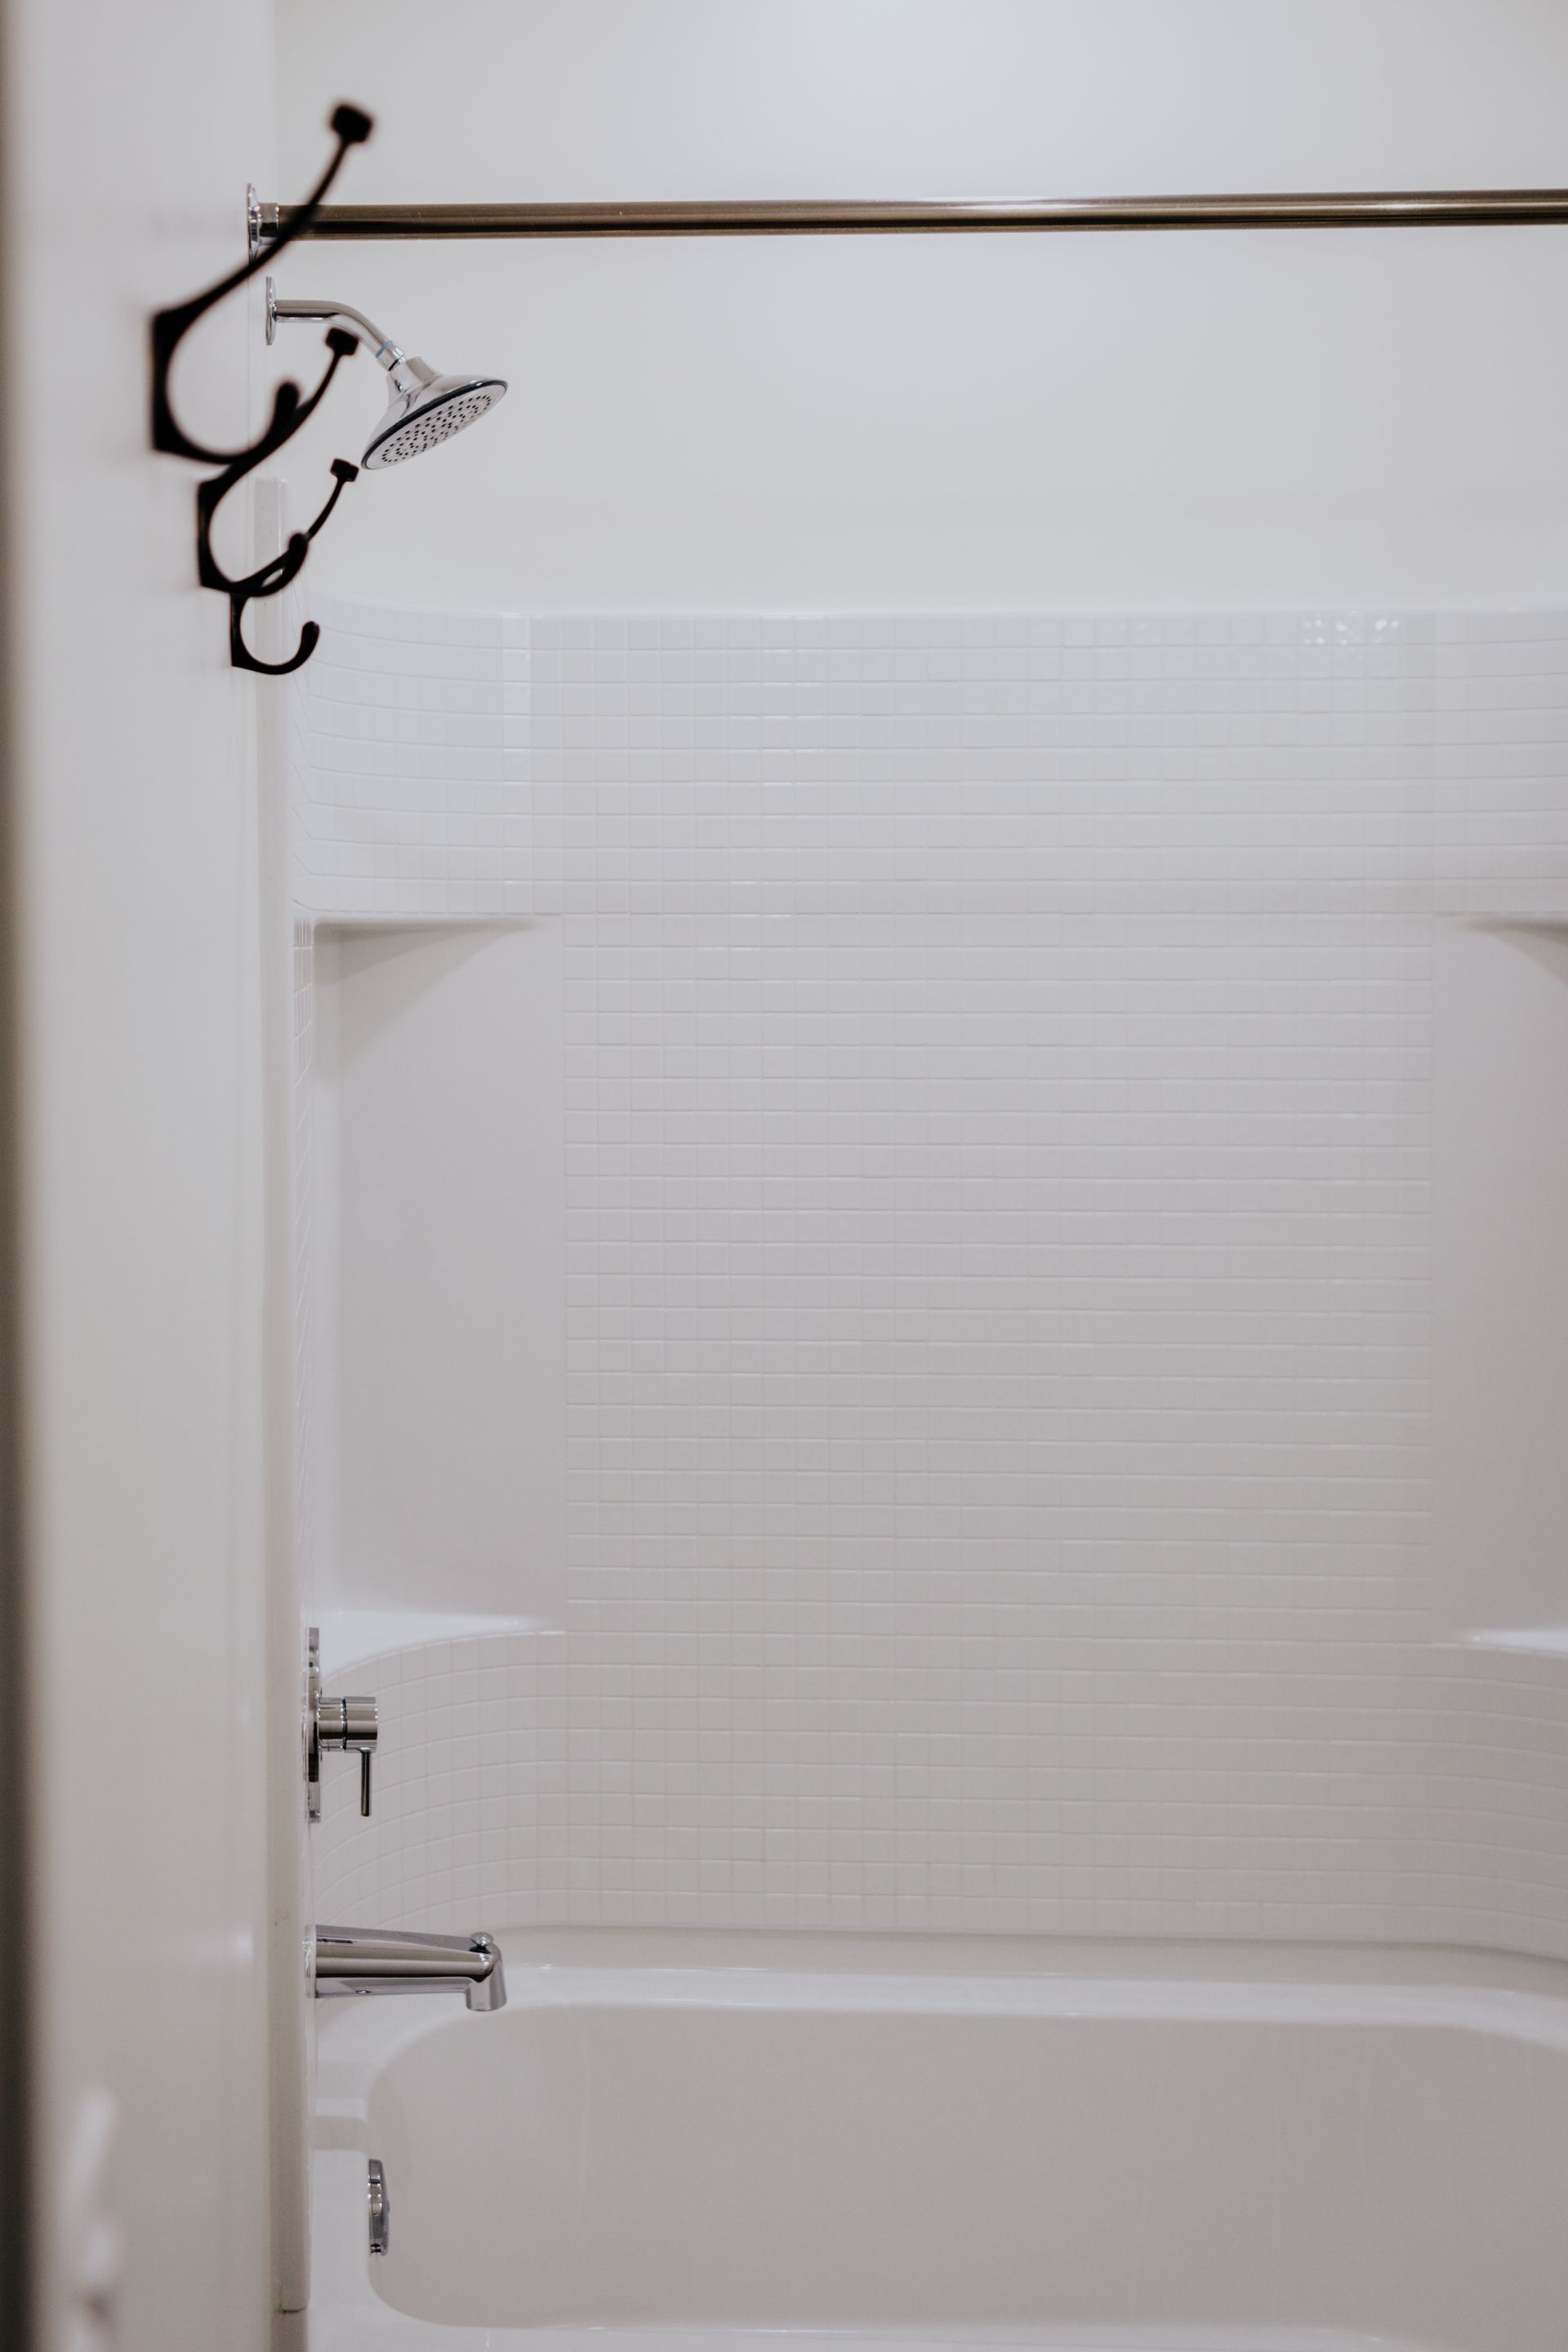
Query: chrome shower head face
(425, 409)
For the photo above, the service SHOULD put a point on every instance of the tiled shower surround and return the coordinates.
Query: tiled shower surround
(997, 1170)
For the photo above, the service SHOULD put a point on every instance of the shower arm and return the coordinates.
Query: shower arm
(335, 314)
(1432, 208)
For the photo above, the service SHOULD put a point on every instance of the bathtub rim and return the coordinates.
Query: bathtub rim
(1496, 1996)
(1518, 2000)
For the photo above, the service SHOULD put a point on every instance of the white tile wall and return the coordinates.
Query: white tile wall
(304, 1319)
(408, 744)
(997, 1092)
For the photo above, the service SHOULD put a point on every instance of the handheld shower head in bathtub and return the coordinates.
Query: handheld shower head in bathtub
(423, 409)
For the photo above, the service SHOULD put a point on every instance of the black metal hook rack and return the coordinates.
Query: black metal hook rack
(290, 408)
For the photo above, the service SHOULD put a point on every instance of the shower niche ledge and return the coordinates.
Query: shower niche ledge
(434, 1436)
(350, 1636)
(1519, 1640)
(356, 921)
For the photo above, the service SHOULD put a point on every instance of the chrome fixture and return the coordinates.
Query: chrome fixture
(389, 1959)
(380, 2205)
(818, 216)
(347, 1724)
(423, 408)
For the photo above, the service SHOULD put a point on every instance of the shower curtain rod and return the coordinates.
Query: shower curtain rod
(1450, 208)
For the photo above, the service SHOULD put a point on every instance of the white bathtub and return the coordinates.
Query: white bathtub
(1093, 2149)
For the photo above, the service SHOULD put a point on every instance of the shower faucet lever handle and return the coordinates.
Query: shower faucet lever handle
(349, 1726)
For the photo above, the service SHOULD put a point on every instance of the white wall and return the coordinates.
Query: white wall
(944, 422)
(129, 135)
(1011, 1359)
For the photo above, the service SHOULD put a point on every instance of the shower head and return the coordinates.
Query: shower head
(426, 408)
(423, 408)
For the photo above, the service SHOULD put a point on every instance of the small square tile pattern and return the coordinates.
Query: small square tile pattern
(408, 748)
(304, 1001)
(997, 1066)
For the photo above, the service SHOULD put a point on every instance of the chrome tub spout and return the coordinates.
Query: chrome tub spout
(388, 1960)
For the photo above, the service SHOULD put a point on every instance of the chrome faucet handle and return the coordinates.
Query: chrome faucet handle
(347, 1724)
(380, 2205)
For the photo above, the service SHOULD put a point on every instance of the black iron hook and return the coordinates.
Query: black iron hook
(290, 407)
(274, 576)
(351, 126)
(211, 493)
(241, 657)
